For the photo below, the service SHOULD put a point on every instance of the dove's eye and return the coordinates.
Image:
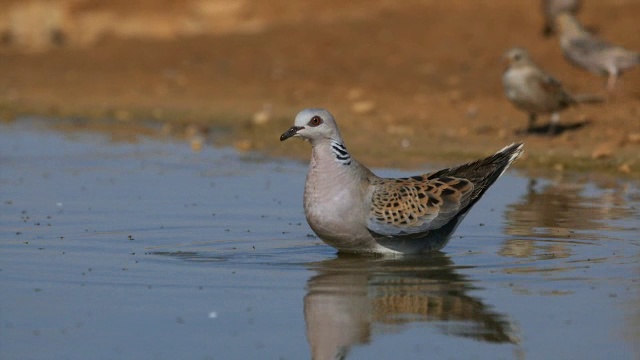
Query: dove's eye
(516, 57)
(315, 121)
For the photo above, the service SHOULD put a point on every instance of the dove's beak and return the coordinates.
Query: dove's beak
(291, 132)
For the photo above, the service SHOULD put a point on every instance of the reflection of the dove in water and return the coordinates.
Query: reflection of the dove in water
(350, 297)
(556, 210)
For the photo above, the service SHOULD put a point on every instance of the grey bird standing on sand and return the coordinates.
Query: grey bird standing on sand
(355, 211)
(552, 8)
(534, 91)
(595, 55)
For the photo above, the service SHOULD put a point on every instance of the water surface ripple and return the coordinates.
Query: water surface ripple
(146, 249)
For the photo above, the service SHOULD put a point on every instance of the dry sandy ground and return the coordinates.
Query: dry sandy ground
(409, 83)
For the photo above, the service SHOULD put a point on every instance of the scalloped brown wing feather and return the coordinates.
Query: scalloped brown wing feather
(417, 204)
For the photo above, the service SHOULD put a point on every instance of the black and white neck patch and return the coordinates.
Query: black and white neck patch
(342, 156)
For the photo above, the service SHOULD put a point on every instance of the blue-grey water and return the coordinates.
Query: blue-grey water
(149, 250)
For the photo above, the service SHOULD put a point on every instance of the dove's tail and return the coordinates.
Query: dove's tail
(588, 99)
(484, 172)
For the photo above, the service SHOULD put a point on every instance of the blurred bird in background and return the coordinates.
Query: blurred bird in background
(534, 91)
(587, 51)
(553, 8)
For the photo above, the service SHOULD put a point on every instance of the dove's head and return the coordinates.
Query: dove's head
(516, 57)
(313, 125)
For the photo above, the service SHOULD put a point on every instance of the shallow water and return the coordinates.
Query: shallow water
(150, 250)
